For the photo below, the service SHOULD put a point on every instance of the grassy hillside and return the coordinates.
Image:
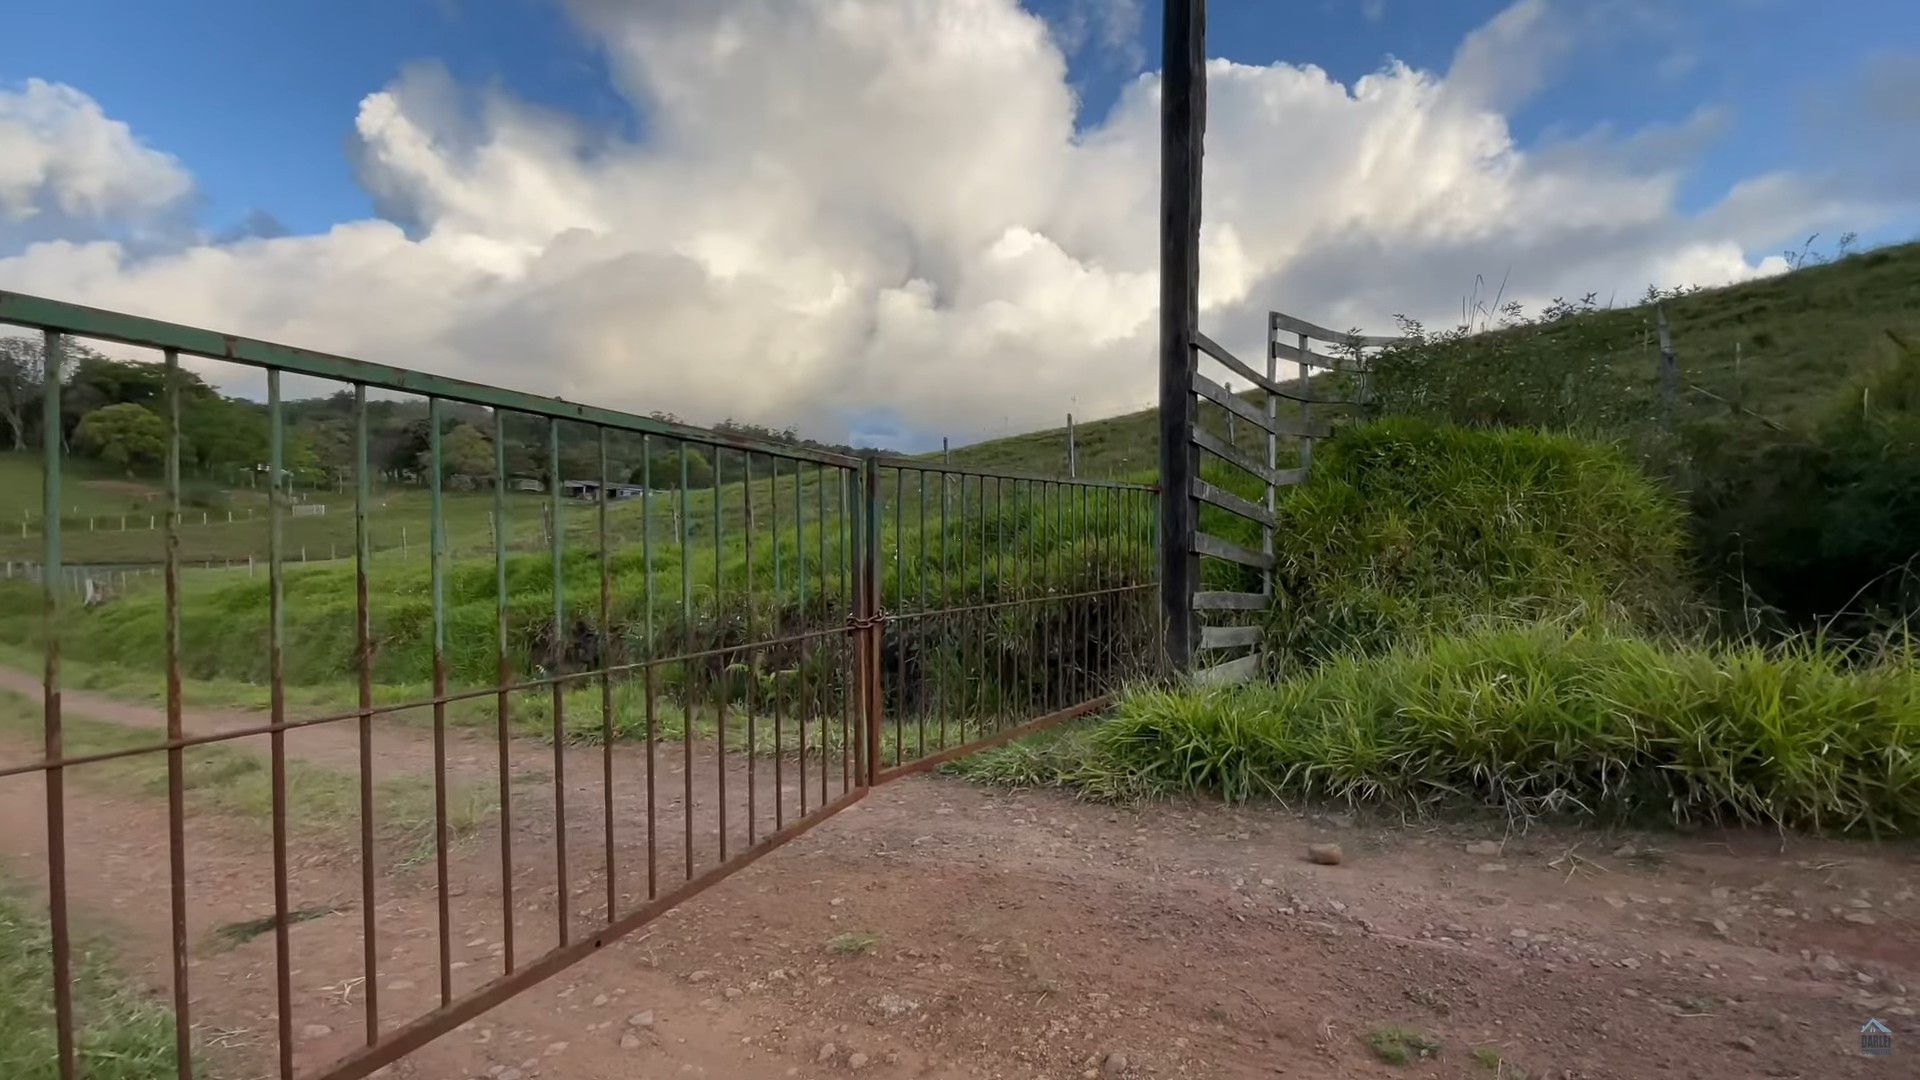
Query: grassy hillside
(1776, 349)
(1799, 336)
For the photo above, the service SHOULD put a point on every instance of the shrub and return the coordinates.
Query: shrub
(1824, 526)
(1406, 528)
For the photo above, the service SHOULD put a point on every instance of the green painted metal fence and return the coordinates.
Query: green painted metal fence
(760, 642)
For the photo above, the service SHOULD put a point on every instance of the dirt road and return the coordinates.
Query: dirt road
(942, 930)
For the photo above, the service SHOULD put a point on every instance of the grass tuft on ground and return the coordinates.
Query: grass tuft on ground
(1397, 1044)
(122, 1036)
(1530, 720)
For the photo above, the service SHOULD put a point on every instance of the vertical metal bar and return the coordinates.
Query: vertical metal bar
(980, 620)
(837, 646)
(436, 567)
(800, 673)
(1109, 580)
(946, 601)
(437, 573)
(963, 643)
(999, 592)
(606, 684)
(653, 729)
(1183, 112)
(753, 744)
(920, 622)
(50, 709)
(721, 690)
(557, 657)
(277, 741)
(823, 687)
(363, 668)
(1082, 680)
(851, 735)
(779, 692)
(870, 634)
(900, 602)
(1045, 563)
(176, 760)
(688, 701)
(502, 707)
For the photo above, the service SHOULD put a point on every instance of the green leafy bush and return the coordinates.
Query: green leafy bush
(1405, 528)
(1824, 526)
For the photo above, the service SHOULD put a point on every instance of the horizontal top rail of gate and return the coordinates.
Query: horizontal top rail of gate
(60, 317)
(896, 461)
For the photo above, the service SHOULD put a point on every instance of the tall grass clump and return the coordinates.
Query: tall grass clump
(1533, 719)
(1406, 528)
(123, 1036)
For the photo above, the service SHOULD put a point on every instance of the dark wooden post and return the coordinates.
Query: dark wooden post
(1183, 121)
(1669, 371)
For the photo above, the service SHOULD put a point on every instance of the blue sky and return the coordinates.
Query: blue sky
(898, 218)
(257, 99)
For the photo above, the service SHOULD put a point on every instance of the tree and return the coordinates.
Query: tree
(464, 451)
(22, 381)
(122, 435)
(666, 469)
(222, 433)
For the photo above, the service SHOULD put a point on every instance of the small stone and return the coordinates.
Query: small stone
(511, 1074)
(1115, 1064)
(555, 1049)
(1324, 854)
(1519, 933)
(857, 1061)
(826, 1054)
(1493, 868)
(315, 1031)
(1484, 847)
(1828, 962)
(1860, 917)
(893, 1006)
(629, 1041)
(700, 976)
(732, 993)
(1625, 851)
(599, 1000)
(1747, 1043)
(641, 1019)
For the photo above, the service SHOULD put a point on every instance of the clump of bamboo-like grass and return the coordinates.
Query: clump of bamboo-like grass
(1532, 719)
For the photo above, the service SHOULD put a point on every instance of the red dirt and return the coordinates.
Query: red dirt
(1029, 935)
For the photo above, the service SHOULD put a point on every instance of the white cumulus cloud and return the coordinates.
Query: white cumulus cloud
(880, 215)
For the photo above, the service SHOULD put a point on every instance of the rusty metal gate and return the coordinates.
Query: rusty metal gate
(775, 640)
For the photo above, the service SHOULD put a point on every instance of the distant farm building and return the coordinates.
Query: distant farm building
(590, 489)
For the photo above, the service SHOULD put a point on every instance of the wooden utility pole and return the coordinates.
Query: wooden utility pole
(1183, 122)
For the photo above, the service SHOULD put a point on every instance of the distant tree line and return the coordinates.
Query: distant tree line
(112, 411)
